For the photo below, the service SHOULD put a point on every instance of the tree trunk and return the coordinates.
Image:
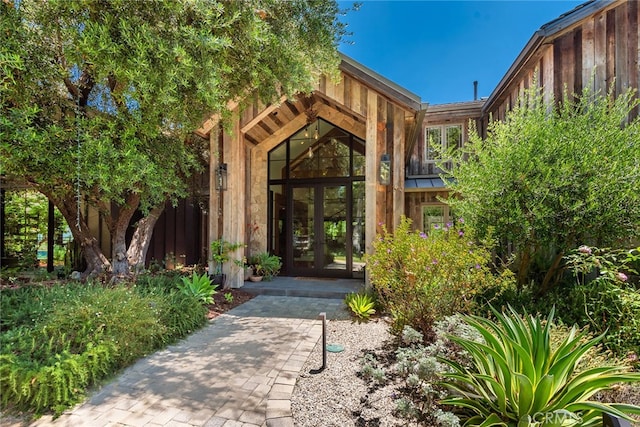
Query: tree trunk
(97, 263)
(137, 252)
(523, 267)
(119, 260)
(553, 274)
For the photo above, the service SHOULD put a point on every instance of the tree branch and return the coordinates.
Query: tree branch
(113, 85)
(73, 89)
(85, 85)
(62, 60)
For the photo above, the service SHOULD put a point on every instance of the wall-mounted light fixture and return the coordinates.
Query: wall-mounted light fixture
(385, 170)
(221, 177)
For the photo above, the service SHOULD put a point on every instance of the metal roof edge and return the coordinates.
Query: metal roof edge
(545, 31)
(394, 90)
(463, 105)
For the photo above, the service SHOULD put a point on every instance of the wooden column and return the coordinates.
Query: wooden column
(214, 207)
(384, 131)
(397, 166)
(371, 173)
(234, 203)
(547, 75)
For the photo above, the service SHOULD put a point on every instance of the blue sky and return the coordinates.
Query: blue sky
(436, 49)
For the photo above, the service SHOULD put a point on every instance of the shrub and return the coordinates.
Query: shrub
(606, 298)
(181, 315)
(517, 377)
(80, 334)
(164, 279)
(422, 278)
(591, 295)
(538, 181)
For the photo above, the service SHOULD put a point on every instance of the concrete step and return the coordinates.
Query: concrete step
(309, 287)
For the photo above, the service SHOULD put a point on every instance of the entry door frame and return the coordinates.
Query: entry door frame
(318, 269)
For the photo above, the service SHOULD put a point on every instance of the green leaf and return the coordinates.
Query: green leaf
(543, 393)
(493, 420)
(525, 394)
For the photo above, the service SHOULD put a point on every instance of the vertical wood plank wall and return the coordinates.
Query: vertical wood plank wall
(176, 236)
(371, 181)
(600, 50)
(397, 166)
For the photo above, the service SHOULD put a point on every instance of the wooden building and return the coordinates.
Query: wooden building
(313, 178)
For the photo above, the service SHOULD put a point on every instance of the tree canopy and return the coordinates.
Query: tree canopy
(100, 98)
(552, 177)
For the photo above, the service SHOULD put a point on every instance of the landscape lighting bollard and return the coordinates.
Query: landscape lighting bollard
(323, 317)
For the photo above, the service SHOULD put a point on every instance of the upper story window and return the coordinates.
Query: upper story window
(438, 139)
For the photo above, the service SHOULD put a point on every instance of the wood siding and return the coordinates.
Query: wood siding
(600, 51)
(414, 202)
(178, 236)
(442, 115)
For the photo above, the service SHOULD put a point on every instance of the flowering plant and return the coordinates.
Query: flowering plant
(420, 278)
(608, 264)
(607, 296)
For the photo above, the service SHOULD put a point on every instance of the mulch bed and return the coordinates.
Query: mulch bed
(221, 305)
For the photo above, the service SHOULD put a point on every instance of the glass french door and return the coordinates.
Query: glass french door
(321, 230)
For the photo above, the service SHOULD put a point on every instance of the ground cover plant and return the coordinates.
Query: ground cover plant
(57, 340)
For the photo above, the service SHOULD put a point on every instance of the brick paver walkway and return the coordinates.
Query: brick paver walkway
(240, 370)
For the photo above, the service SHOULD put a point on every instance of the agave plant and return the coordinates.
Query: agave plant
(361, 304)
(199, 287)
(517, 378)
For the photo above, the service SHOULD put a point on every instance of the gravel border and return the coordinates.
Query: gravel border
(338, 396)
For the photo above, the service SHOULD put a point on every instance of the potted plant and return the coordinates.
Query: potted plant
(220, 253)
(264, 266)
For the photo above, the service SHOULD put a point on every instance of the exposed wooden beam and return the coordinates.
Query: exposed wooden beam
(340, 107)
(268, 110)
(214, 119)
